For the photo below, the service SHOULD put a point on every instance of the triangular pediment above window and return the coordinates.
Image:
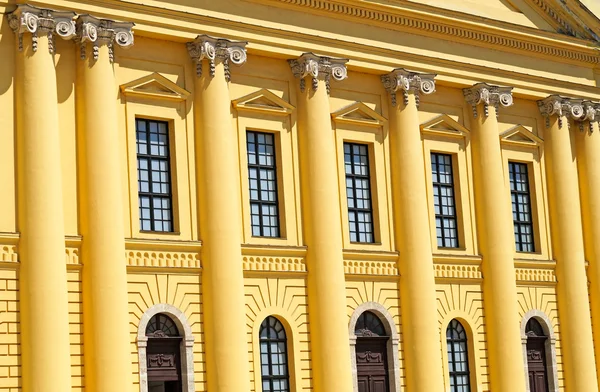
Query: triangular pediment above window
(444, 125)
(359, 114)
(263, 101)
(520, 136)
(155, 86)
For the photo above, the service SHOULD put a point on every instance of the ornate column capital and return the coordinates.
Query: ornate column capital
(578, 110)
(488, 95)
(216, 50)
(41, 21)
(408, 82)
(100, 32)
(318, 68)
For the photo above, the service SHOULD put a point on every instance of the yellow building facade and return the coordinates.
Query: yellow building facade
(300, 195)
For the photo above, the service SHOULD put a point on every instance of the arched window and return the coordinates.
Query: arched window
(458, 357)
(369, 324)
(273, 356)
(160, 326)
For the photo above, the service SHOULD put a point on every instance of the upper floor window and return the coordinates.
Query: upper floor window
(444, 201)
(521, 206)
(358, 192)
(154, 177)
(273, 356)
(458, 357)
(262, 179)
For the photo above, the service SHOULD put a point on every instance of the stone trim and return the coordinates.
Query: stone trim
(408, 82)
(551, 365)
(187, 345)
(100, 32)
(582, 112)
(318, 68)
(33, 20)
(392, 345)
(216, 50)
(483, 93)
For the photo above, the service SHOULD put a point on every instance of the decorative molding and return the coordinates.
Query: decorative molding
(9, 253)
(318, 68)
(527, 40)
(359, 114)
(483, 93)
(155, 86)
(579, 111)
(274, 264)
(216, 50)
(370, 267)
(520, 136)
(444, 125)
(536, 275)
(140, 258)
(100, 32)
(408, 82)
(41, 21)
(457, 271)
(263, 101)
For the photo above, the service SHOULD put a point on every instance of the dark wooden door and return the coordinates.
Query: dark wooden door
(164, 362)
(372, 364)
(536, 362)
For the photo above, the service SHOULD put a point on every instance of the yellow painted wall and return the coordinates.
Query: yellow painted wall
(167, 267)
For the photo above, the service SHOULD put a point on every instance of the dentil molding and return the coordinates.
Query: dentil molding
(579, 111)
(216, 50)
(408, 82)
(489, 96)
(318, 68)
(36, 21)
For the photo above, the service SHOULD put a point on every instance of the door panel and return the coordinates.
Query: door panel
(372, 364)
(536, 362)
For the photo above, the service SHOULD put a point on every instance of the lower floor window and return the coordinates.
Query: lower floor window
(273, 356)
(458, 357)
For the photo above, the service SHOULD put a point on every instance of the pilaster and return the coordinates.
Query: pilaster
(218, 180)
(496, 241)
(413, 237)
(45, 349)
(329, 338)
(562, 159)
(105, 311)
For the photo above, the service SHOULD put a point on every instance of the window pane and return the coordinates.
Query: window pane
(273, 355)
(458, 357)
(358, 192)
(521, 206)
(262, 181)
(154, 179)
(444, 203)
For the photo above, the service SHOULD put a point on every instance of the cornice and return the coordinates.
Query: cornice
(552, 45)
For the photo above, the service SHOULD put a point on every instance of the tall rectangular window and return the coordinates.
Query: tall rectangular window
(444, 201)
(521, 206)
(358, 192)
(262, 178)
(154, 177)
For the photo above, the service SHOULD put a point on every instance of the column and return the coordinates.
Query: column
(105, 310)
(413, 237)
(588, 162)
(218, 180)
(496, 241)
(567, 243)
(44, 315)
(330, 345)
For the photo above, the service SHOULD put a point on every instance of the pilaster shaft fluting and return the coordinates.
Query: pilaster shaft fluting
(567, 242)
(587, 141)
(413, 236)
(44, 316)
(329, 337)
(218, 180)
(106, 317)
(496, 241)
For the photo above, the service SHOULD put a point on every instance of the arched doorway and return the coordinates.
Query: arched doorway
(163, 355)
(371, 354)
(536, 356)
